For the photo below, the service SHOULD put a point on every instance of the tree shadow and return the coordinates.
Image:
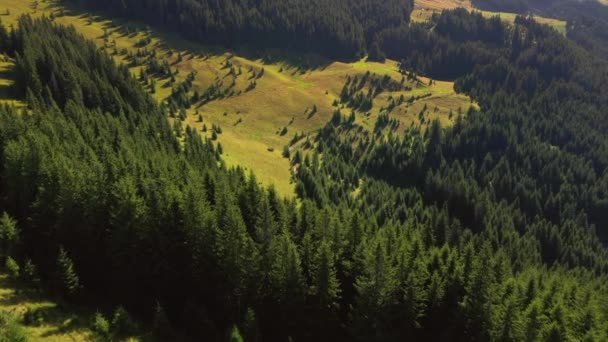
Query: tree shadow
(6, 88)
(301, 62)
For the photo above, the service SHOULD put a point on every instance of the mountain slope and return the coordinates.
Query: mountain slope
(251, 121)
(489, 225)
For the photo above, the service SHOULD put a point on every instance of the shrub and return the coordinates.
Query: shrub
(12, 267)
(101, 325)
(34, 317)
(9, 235)
(29, 273)
(10, 330)
(122, 323)
(235, 335)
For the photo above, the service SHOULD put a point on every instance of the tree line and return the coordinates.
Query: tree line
(334, 28)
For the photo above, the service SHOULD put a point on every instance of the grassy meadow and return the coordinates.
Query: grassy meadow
(252, 122)
(46, 320)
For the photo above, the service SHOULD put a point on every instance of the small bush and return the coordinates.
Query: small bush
(286, 152)
(34, 317)
(235, 335)
(122, 323)
(12, 267)
(10, 329)
(101, 325)
(29, 273)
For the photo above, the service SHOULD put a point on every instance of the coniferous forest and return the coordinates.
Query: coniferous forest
(334, 28)
(494, 229)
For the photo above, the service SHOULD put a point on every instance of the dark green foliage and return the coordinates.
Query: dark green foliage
(235, 335)
(36, 316)
(483, 191)
(12, 267)
(122, 323)
(488, 230)
(101, 326)
(67, 280)
(30, 273)
(335, 28)
(286, 152)
(586, 20)
(9, 235)
(10, 330)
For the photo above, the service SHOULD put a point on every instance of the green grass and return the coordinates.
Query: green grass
(424, 9)
(282, 98)
(60, 322)
(60, 326)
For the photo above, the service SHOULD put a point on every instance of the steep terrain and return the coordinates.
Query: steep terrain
(416, 212)
(252, 122)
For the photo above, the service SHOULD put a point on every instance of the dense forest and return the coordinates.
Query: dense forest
(344, 29)
(587, 20)
(523, 179)
(491, 230)
(335, 28)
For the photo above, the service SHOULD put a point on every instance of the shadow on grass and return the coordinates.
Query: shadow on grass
(6, 90)
(302, 62)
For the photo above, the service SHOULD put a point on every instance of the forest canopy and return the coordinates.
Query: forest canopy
(334, 28)
(491, 230)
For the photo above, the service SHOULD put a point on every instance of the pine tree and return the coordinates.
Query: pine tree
(236, 250)
(13, 268)
(161, 324)
(286, 270)
(477, 301)
(9, 235)
(326, 282)
(66, 278)
(235, 335)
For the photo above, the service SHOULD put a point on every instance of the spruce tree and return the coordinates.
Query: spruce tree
(9, 235)
(67, 280)
(326, 282)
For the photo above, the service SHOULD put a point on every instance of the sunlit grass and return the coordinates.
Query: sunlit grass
(252, 121)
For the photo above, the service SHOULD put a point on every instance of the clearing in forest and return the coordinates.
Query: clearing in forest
(424, 9)
(259, 103)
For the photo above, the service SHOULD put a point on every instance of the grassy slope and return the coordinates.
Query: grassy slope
(61, 326)
(283, 96)
(424, 9)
